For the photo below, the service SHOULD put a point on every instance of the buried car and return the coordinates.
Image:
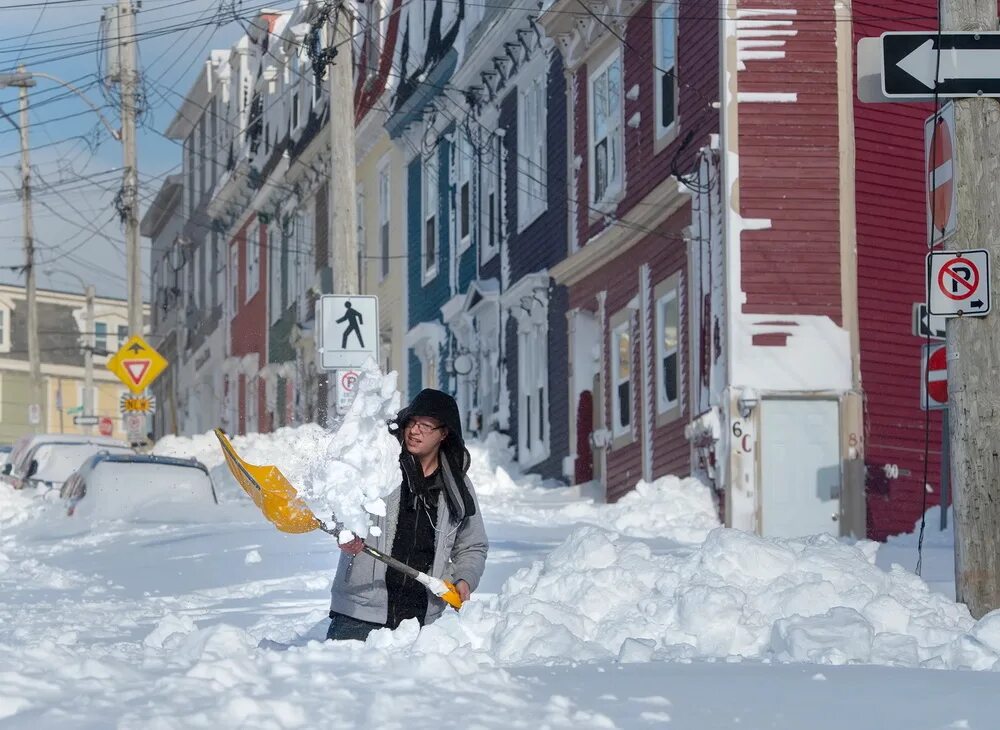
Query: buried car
(48, 459)
(115, 486)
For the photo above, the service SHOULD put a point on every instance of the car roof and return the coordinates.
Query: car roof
(107, 457)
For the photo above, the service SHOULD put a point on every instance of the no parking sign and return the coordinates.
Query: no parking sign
(958, 283)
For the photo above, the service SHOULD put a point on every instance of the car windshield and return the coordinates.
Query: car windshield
(57, 461)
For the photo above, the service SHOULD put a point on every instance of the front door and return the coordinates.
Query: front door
(800, 467)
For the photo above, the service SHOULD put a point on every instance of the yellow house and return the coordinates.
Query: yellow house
(63, 334)
(381, 219)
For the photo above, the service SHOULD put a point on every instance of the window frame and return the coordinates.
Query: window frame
(614, 190)
(620, 324)
(463, 179)
(492, 183)
(233, 290)
(274, 297)
(251, 268)
(384, 218)
(97, 339)
(5, 333)
(668, 290)
(532, 127)
(664, 10)
(534, 426)
(429, 204)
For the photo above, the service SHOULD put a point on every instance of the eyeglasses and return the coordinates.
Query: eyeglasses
(422, 427)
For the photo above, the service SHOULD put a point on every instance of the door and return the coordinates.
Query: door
(800, 467)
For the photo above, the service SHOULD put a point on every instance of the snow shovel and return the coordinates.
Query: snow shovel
(281, 505)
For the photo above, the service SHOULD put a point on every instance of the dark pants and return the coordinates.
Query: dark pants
(345, 628)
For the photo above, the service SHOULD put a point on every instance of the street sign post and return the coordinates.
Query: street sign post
(942, 180)
(958, 283)
(926, 324)
(86, 420)
(137, 364)
(348, 331)
(949, 64)
(934, 377)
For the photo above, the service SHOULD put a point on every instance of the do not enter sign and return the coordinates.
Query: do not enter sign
(942, 191)
(934, 380)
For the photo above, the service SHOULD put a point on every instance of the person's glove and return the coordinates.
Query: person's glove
(353, 547)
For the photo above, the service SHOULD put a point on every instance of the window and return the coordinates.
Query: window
(463, 191)
(122, 334)
(430, 371)
(621, 376)
(667, 346)
(253, 261)
(202, 274)
(533, 420)
(606, 144)
(305, 265)
(213, 275)
(202, 157)
(317, 86)
(252, 405)
(273, 248)
(4, 329)
(491, 210)
(191, 200)
(665, 66)
(234, 280)
(295, 81)
(214, 135)
(430, 205)
(531, 182)
(100, 335)
(384, 201)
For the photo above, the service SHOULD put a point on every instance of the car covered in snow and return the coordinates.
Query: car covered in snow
(48, 459)
(5, 450)
(115, 486)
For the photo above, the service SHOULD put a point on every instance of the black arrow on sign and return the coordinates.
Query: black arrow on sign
(977, 304)
(136, 348)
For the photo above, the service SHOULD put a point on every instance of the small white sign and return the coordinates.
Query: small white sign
(34, 414)
(348, 331)
(135, 426)
(347, 381)
(958, 283)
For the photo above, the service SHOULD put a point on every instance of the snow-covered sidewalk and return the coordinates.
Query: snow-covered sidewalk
(641, 614)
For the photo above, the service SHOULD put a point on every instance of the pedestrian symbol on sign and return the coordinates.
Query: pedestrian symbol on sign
(348, 331)
(353, 316)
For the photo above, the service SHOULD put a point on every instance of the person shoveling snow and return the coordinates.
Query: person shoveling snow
(432, 523)
(432, 526)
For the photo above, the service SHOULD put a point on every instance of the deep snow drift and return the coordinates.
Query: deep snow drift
(589, 615)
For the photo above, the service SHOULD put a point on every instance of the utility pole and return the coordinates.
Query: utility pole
(343, 188)
(129, 80)
(34, 356)
(974, 342)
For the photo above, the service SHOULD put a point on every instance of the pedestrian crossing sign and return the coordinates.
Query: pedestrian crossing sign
(348, 331)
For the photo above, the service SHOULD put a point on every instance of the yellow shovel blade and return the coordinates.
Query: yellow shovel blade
(270, 491)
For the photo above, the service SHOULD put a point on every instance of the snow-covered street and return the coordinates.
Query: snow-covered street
(640, 614)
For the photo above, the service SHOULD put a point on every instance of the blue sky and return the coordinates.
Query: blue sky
(76, 162)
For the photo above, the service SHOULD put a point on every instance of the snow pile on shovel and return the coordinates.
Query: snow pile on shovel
(601, 595)
(345, 471)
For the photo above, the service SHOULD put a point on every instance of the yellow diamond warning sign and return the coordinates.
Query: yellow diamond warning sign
(137, 364)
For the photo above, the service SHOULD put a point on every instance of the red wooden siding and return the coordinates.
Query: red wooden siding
(789, 169)
(891, 232)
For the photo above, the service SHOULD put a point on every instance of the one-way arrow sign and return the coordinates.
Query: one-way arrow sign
(969, 64)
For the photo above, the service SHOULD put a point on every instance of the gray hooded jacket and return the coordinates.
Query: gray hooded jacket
(460, 549)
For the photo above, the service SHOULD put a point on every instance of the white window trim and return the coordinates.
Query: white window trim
(614, 193)
(663, 293)
(252, 248)
(463, 176)
(492, 171)
(5, 320)
(384, 177)
(531, 206)
(621, 322)
(273, 250)
(432, 163)
(664, 135)
(532, 374)
(233, 290)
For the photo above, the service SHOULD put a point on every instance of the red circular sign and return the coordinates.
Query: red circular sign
(348, 380)
(958, 279)
(105, 426)
(939, 178)
(937, 375)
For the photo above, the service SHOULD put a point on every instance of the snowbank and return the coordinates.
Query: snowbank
(601, 595)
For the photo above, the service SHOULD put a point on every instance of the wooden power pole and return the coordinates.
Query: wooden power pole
(974, 342)
(343, 188)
